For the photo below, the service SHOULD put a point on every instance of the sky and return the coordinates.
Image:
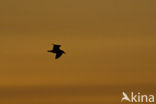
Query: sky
(109, 45)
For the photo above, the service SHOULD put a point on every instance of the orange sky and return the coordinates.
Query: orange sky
(108, 43)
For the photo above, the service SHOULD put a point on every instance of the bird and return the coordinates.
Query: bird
(125, 97)
(56, 49)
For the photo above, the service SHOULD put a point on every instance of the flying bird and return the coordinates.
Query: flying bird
(56, 49)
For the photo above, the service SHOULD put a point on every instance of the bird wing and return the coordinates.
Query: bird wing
(58, 55)
(56, 47)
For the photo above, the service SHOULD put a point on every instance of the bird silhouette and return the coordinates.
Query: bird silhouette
(56, 49)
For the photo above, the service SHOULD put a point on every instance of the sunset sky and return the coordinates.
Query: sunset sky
(110, 46)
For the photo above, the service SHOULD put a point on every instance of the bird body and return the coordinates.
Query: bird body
(56, 49)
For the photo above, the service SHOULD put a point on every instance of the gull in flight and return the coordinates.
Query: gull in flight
(56, 49)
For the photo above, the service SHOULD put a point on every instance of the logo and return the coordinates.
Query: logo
(137, 97)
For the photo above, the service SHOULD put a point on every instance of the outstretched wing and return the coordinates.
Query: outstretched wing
(58, 55)
(56, 47)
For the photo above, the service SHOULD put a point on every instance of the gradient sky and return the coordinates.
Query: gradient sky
(110, 45)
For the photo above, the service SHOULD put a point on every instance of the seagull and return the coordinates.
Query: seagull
(56, 49)
(125, 97)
